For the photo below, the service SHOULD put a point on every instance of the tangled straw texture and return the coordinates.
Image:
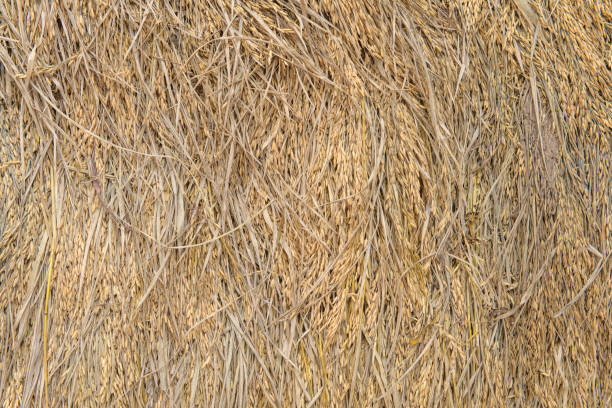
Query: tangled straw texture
(306, 203)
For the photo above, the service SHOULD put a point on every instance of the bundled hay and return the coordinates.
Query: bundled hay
(303, 203)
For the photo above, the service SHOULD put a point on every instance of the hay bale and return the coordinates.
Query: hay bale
(305, 203)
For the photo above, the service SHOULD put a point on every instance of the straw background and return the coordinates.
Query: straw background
(323, 203)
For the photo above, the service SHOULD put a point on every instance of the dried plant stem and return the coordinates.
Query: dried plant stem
(48, 291)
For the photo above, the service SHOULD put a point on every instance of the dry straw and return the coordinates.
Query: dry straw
(305, 203)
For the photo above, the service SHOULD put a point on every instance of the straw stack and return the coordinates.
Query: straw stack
(305, 203)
